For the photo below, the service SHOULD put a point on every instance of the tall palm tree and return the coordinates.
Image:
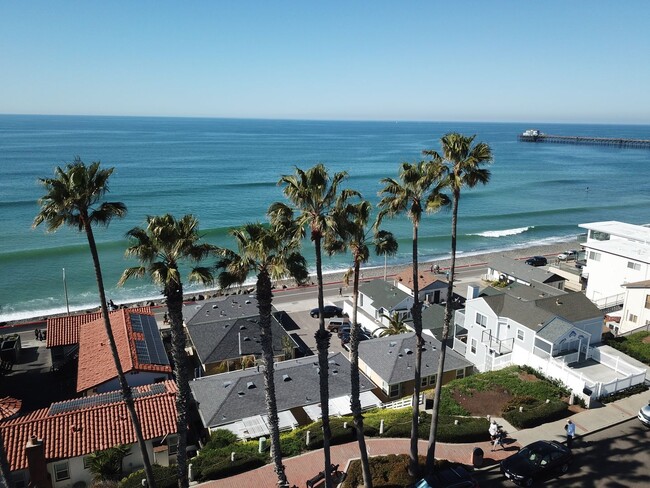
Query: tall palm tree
(314, 195)
(395, 325)
(270, 256)
(161, 248)
(73, 197)
(352, 225)
(464, 163)
(418, 190)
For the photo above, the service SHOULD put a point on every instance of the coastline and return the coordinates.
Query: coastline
(462, 261)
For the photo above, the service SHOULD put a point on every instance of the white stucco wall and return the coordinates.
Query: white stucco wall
(635, 302)
(606, 277)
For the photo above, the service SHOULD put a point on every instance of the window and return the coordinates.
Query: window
(86, 462)
(634, 266)
(632, 318)
(594, 256)
(472, 346)
(481, 320)
(598, 236)
(424, 381)
(460, 373)
(394, 390)
(172, 445)
(61, 471)
(520, 335)
(647, 301)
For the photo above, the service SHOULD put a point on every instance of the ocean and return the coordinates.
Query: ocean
(225, 172)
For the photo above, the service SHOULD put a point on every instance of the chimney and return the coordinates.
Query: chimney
(38, 475)
(472, 292)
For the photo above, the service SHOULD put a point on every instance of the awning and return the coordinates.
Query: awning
(258, 425)
(341, 405)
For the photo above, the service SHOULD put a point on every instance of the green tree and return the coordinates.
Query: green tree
(352, 224)
(107, 465)
(161, 248)
(418, 190)
(314, 196)
(73, 197)
(395, 325)
(464, 166)
(270, 255)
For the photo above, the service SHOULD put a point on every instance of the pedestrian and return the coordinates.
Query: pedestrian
(494, 432)
(570, 428)
(340, 291)
(40, 335)
(36, 334)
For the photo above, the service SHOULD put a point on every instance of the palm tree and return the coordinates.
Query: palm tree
(395, 325)
(270, 255)
(161, 247)
(464, 164)
(419, 190)
(352, 224)
(73, 197)
(314, 195)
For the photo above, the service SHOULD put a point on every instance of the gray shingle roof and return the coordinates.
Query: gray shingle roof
(226, 398)
(554, 329)
(219, 340)
(522, 271)
(227, 308)
(433, 318)
(393, 357)
(383, 293)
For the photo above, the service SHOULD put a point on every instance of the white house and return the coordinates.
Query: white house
(636, 307)
(617, 253)
(431, 288)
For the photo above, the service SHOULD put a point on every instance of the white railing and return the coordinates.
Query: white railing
(603, 389)
(614, 362)
(610, 301)
(500, 362)
(459, 346)
(403, 402)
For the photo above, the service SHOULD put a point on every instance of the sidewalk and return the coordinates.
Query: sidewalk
(301, 468)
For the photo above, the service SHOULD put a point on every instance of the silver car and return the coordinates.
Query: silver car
(644, 415)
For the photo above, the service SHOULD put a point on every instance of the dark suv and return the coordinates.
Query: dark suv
(329, 311)
(537, 261)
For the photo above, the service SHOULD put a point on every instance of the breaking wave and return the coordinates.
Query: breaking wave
(503, 233)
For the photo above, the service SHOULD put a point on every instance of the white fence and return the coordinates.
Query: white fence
(403, 402)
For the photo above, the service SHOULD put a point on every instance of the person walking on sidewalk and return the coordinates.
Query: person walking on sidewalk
(570, 428)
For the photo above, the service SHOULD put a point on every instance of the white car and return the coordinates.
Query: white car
(644, 415)
(568, 255)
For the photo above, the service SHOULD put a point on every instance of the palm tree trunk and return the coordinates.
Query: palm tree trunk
(355, 402)
(322, 345)
(431, 448)
(416, 312)
(126, 390)
(264, 298)
(174, 296)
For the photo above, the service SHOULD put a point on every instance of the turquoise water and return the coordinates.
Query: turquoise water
(225, 171)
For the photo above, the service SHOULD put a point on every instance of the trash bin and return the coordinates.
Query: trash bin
(477, 457)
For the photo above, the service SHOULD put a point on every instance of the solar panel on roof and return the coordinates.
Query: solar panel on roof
(142, 351)
(136, 322)
(155, 346)
(103, 399)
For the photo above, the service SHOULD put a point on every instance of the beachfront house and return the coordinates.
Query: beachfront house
(554, 333)
(379, 299)
(389, 362)
(235, 401)
(617, 253)
(139, 345)
(431, 287)
(224, 335)
(635, 315)
(507, 270)
(50, 447)
(63, 334)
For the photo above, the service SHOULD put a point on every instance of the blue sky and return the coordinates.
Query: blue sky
(561, 61)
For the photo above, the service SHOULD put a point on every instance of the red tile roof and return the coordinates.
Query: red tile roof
(83, 430)
(64, 331)
(425, 279)
(96, 365)
(9, 407)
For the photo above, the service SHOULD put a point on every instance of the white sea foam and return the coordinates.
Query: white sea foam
(503, 233)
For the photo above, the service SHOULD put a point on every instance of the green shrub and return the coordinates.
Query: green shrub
(633, 345)
(387, 471)
(213, 464)
(537, 415)
(521, 401)
(165, 477)
(633, 390)
(221, 438)
(469, 429)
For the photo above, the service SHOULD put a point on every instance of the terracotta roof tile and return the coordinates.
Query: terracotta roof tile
(96, 365)
(94, 427)
(425, 279)
(64, 331)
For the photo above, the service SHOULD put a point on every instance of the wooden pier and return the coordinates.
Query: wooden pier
(591, 141)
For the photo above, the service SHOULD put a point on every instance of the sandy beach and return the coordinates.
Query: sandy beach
(550, 251)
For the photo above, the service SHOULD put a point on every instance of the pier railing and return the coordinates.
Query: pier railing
(592, 141)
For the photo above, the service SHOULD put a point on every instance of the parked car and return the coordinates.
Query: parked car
(451, 477)
(338, 324)
(568, 255)
(536, 460)
(644, 415)
(536, 261)
(328, 311)
(345, 339)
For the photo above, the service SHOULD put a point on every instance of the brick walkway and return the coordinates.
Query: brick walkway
(301, 468)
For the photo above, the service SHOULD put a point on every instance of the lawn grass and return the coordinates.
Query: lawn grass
(635, 345)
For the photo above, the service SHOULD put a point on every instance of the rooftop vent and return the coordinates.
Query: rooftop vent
(558, 302)
(392, 344)
(408, 351)
(215, 306)
(250, 385)
(335, 371)
(286, 377)
(248, 302)
(240, 393)
(226, 384)
(246, 338)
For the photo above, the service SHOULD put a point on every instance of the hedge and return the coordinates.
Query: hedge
(165, 477)
(532, 416)
(389, 471)
(212, 464)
